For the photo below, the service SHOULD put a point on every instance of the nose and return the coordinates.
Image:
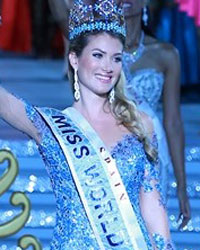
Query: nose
(107, 65)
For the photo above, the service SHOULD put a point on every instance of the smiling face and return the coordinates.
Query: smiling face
(133, 7)
(99, 65)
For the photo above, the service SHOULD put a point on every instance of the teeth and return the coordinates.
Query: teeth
(104, 77)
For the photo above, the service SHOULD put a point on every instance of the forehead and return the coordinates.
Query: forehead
(105, 42)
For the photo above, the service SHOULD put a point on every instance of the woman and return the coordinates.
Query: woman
(101, 164)
(152, 69)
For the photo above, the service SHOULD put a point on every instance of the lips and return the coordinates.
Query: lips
(104, 78)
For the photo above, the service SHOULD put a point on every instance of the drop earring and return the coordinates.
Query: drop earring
(76, 86)
(112, 96)
(145, 16)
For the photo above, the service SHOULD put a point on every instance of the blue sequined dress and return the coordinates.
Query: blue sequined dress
(72, 229)
(145, 86)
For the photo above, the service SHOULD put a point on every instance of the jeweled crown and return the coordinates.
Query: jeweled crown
(103, 15)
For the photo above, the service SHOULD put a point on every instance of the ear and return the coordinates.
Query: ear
(73, 60)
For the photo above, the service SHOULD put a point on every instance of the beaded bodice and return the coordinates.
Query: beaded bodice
(144, 85)
(73, 230)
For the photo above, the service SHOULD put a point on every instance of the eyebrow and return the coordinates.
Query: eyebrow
(103, 52)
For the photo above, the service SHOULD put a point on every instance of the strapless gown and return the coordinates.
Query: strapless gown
(145, 88)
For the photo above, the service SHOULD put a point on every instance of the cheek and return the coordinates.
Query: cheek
(117, 74)
(87, 66)
(118, 69)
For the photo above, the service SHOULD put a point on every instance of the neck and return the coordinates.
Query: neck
(134, 30)
(92, 106)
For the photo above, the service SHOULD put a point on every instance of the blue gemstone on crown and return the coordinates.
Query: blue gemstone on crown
(104, 15)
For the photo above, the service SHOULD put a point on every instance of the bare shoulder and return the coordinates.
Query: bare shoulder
(147, 123)
(165, 51)
(168, 51)
(169, 55)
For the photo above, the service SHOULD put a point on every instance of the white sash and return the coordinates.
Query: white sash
(98, 181)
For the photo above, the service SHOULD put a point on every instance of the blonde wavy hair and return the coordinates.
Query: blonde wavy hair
(124, 110)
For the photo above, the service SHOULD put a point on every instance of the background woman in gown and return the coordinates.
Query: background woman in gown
(0, 12)
(101, 108)
(152, 69)
(15, 32)
(192, 8)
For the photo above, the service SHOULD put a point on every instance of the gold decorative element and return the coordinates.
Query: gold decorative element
(9, 176)
(18, 222)
(28, 240)
(17, 198)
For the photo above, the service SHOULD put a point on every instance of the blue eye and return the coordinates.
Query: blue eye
(118, 59)
(97, 55)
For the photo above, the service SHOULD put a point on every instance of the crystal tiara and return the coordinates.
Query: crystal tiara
(102, 15)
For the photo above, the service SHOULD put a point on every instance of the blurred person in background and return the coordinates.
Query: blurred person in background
(44, 29)
(60, 11)
(15, 31)
(152, 70)
(177, 23)
(192, 8)
(0, 12)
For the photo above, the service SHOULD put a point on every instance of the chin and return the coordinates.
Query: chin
(103, 91)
